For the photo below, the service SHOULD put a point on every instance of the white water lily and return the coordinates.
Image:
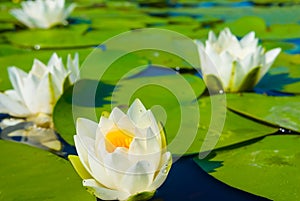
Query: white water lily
(238, 64)
(43, 13)
(35, 94)
(125, 154)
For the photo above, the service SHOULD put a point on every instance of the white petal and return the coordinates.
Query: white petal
(207, 65)
(104, 193)
(98, 171)
(272, 54)
(136, 110)
(137, 178)
(147, 149)
(10, 122)
(248, 39)
(126, 124)
(163, 173)
(38, 69)
(117, 161)
(82, 153)
(86, 127)
(44, 100)
(116, 165)
(16, 77)
(104, 126)
(12, 107)
(270, 58)
(116, 115)
(212, 37)
(73, 68)
(238, 76)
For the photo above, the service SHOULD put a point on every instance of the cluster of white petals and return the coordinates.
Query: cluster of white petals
(238, 64)
(34, 94)
(125, 154)
(43, 14)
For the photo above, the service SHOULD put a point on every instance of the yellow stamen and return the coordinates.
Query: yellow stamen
(117, 138)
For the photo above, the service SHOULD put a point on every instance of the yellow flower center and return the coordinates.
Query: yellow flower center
(117, 138)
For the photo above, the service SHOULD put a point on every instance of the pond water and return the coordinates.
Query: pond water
(276, 24)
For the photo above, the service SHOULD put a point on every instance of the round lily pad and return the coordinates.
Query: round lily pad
(29, 173)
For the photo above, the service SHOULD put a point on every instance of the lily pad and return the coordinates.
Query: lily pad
(33, 174)
(279, 111)
(236, 129)
(73, 36)
(284, 76)
(269, 168)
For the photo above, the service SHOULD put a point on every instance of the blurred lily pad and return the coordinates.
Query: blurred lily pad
(73, 36)
(33, 174)
(269, 168)
(279, 111)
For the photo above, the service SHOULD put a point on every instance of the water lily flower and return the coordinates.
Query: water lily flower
(43, 13)
(35, 93)
(237, 64)
(124, 156)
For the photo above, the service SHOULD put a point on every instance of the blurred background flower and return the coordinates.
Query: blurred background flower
(238, 64)
(43, 14)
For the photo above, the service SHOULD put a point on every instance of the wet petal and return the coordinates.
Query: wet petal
(86, 127)
(163, 172)
(104, 193)
(138, 178)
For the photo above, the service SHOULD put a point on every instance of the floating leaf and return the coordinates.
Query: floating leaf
(33, 174)
(269, 168)
(236, 128)
(280, 111)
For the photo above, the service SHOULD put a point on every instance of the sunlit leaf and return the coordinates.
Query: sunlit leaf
(280, 111)
(33, 174)
(269, 168)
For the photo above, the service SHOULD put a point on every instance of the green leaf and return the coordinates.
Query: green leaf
(33, 174)
(280, 111)
(284, 76)
(73, 36)
(268, 168)
(236, 128)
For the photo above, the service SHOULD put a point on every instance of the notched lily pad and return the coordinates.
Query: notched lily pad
(269, 168)
(280, 111)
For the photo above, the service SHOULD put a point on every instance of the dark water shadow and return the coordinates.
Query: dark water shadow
(89, 93)
(273, 84)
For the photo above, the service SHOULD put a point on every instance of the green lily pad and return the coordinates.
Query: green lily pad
(236, 129)
(279, 111)
(268, 168)
(63, 116)
(245, 24)
(284, 76)
(33, 174)
(73, 36)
